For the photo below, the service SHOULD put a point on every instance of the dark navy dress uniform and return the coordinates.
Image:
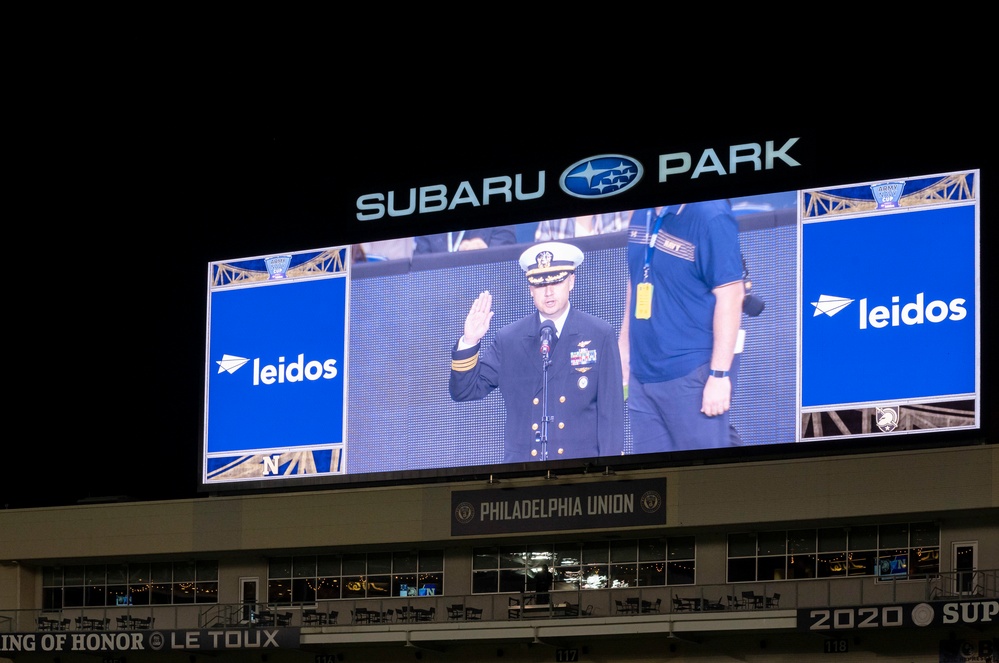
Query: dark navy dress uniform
(585, 393)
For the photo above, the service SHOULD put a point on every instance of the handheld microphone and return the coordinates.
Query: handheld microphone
(547, 330)
(751, 304)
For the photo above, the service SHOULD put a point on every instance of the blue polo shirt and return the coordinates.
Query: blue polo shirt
(696, 250)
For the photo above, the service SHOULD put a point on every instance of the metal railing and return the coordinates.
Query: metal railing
(966, 584)
(564, 604)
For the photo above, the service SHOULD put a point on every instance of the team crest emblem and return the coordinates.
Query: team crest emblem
(887, 418)
(651, 501)
(464, 513)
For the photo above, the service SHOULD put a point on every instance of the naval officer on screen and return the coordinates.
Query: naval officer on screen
(558, 369)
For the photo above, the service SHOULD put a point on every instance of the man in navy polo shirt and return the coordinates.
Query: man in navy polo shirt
(680, 336)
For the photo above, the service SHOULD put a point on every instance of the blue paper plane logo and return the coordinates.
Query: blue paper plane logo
(231, 363)
(830, 305)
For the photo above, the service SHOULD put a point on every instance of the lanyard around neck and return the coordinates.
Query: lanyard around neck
(651, 248)
(651, 237)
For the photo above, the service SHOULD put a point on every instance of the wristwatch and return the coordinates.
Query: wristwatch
(717, 374)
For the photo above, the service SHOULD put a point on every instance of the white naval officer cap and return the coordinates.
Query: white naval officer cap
(548, 263)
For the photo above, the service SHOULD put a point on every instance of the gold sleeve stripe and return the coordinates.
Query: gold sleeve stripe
(465, 365)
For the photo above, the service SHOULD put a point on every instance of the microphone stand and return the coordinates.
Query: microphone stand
(545, 363)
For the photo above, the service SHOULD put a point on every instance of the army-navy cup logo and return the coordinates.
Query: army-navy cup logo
(887, 194)
(277, 266)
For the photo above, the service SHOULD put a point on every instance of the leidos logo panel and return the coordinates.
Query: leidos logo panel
(276, 377)
(888, 306)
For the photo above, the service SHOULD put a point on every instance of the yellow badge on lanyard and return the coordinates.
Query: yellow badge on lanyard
(643, 301)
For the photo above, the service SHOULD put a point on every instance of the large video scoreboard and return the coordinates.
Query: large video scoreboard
(328, 365)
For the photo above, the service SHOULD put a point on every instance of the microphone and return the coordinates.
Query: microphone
(751, 304)
(547, 331)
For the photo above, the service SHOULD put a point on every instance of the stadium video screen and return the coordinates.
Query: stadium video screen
(334, 364)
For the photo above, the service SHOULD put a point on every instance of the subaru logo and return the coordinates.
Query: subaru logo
(601, 176)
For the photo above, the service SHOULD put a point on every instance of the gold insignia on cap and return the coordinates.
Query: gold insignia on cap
(550, 263)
